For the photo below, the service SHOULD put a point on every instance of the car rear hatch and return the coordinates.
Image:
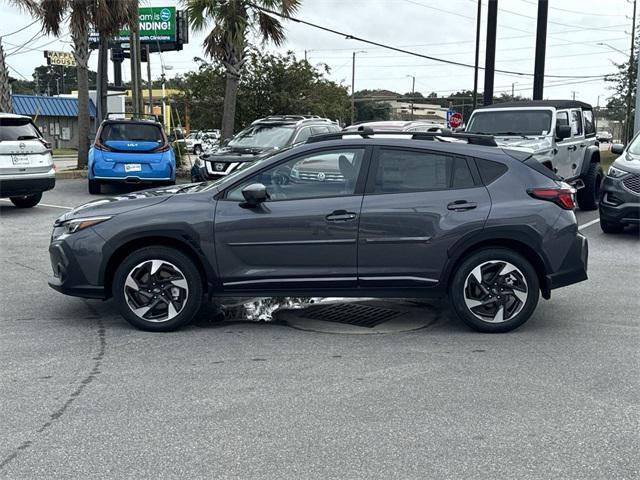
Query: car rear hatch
(22, 149)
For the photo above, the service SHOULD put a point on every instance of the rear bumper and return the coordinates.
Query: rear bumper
(574, 266)
(25, 185)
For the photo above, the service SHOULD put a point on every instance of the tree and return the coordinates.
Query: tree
(106, 16)
(32, 7)
(620, 83)
(227, 41)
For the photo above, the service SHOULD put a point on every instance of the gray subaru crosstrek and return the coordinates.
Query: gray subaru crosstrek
(424, 216)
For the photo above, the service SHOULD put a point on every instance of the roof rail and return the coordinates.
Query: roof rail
(366, 132)
(132, 116)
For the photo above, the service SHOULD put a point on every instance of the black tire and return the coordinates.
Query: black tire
(489, 257)
(185, 267)
(26, 201)
(589, 195)
(611, 227)
(94, 187)
(197, 150)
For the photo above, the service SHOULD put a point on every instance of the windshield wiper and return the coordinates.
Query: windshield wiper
(27, 137)
(510, 134)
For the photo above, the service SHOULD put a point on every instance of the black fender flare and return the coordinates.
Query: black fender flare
(591, 155)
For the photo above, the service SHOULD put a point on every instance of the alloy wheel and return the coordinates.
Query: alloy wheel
(495, 291)
(156, 290)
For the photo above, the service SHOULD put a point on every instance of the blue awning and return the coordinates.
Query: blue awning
(33, 105)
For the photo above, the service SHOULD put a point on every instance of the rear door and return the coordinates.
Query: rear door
(21, 148)
(417, 204)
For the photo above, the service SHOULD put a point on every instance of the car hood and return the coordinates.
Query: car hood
(534, 144)
(629, 162)
(127, 202)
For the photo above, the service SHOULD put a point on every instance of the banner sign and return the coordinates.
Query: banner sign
(157, 24)
(66, 59)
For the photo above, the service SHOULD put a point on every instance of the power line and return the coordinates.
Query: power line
(574, 12)
(396, 49)
(20, 29)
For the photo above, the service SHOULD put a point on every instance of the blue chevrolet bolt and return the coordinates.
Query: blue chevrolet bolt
(131, 151)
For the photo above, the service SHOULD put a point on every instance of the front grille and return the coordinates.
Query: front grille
(352, 314)
(632, 183)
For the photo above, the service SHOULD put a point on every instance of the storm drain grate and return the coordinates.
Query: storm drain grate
(352, 314)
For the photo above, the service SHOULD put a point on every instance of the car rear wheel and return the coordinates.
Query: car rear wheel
(157, 289)
(94, 187)
(26, 201)
(494, 290)
(610, 227)
(588, 196)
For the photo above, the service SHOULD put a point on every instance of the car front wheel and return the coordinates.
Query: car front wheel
(157, 289)
(610, 227)
(26, 201)
(494, 290)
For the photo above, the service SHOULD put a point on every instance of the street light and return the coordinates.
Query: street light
(353, 86)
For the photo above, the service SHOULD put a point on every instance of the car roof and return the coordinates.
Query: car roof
(13, 115)
(539, 103)
(391, 124)
(292, 120)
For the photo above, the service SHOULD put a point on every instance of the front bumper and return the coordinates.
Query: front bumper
(574, 266)
(25, 185)
(617, 203)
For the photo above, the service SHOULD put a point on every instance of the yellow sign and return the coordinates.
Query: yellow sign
(65, 59)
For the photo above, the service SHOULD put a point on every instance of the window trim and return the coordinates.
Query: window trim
(360, 182)
(375, 160)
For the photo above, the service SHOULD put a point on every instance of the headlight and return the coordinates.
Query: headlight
(616, 172)
(77, 224)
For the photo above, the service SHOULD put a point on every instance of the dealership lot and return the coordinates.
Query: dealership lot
(85, 395)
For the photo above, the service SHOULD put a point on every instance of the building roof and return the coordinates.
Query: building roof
(33, 105)
(541, 103)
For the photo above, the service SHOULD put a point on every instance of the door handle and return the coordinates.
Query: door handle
(573, 148)
(340, 216)
(461, 206)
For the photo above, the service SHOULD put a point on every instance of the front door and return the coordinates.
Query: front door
(305, 235)
(416, 206)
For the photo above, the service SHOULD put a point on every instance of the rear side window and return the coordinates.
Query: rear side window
(14, 129)
(490, 171)
(131, 131)
(589, 125)
(400, 171)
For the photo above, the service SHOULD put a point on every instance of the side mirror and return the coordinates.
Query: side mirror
(563, 131)
(617, 148)
(255, 194)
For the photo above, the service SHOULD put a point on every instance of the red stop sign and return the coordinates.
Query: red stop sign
(455, 121)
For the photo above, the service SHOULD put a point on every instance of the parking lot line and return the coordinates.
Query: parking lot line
(42, 204)
(588, 224)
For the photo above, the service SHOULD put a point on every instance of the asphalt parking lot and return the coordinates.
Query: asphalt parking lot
(84, 395)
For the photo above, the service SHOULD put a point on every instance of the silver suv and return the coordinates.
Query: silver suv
(26, 162)
(561, 134)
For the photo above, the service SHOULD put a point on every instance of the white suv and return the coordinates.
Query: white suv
(26, 162)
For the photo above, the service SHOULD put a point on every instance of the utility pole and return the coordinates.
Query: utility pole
(627, 122)
(475, 70)
(490, 56)
(541, 48)
(513, 90)
(353, 92)
(413, 91)
(149, 79)
(573, 94)
(636, 123)
(134, 48)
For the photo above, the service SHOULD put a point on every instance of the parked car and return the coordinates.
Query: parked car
(620, 193)
(398, 126)
(201, 141)
(604, 136)
(131, 151)
(561, 134)
(262, 138)
(26, 162)
(492, 228)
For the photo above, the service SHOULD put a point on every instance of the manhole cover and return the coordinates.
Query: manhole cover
(352, 314)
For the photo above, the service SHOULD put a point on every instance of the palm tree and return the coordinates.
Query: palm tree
(232, 21)
(5, 87)
(107, 16)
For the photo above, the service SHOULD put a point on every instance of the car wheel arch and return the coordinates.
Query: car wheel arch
(183, 245)
(510, 240)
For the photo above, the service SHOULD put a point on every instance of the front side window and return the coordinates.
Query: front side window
(562, 118)
(576, 123)
(263, 137)
(401, 171)
(328, 173)
(303, 135)
(510, 122)
(589, 126)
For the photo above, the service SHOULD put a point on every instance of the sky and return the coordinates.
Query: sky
(577, 30)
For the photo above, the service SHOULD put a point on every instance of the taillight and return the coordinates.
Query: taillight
(162, 148)
(46, 144)
(561, 196)
(101, 146)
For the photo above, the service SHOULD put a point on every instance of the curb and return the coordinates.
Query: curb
(73, 174)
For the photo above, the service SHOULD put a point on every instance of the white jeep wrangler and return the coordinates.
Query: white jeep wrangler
(561, 134)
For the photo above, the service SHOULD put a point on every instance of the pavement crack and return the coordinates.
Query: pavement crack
(28, 267)
(82, 384)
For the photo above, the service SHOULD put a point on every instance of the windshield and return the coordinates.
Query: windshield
(263, 136)
(13, 129)
(510, 122)
(131, 131)
(634, 146)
